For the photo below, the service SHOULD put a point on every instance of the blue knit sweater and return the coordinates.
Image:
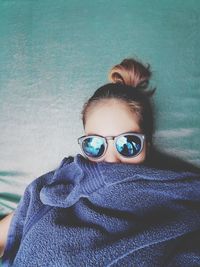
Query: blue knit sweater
(107, 214)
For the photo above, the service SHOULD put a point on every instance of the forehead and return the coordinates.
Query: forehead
(111, 117)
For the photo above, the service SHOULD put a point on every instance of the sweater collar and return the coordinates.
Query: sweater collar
(116, 172)
(78, 177)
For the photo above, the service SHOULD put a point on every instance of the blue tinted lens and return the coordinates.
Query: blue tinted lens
(129, 145)
(93, 146)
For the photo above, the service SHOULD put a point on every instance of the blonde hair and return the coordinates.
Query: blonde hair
(130, 72)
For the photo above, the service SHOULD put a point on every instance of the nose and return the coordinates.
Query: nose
(111, 153)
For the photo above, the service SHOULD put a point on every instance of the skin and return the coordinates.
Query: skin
(4, 226)
(112, 117)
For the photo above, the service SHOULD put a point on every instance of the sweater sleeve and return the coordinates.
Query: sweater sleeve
(28, 207)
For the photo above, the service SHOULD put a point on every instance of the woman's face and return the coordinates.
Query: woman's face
(112, 117)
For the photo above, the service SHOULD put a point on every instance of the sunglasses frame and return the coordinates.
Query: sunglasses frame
(106, 138)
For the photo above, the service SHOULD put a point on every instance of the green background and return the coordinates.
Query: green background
(54, 54)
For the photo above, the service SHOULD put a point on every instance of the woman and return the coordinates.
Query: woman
(115, 206)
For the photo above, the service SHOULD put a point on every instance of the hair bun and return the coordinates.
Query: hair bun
(131, 72)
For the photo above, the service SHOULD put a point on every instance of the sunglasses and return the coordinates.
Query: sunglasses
(128, 145)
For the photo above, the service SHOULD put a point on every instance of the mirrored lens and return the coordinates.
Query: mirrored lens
(93, 146)
(128, 145)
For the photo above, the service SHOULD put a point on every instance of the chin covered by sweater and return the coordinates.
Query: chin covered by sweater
(107, 214)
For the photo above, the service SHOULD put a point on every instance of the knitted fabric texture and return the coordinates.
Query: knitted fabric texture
(107, 214)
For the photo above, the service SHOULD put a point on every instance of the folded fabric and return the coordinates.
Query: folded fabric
(107, 214)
